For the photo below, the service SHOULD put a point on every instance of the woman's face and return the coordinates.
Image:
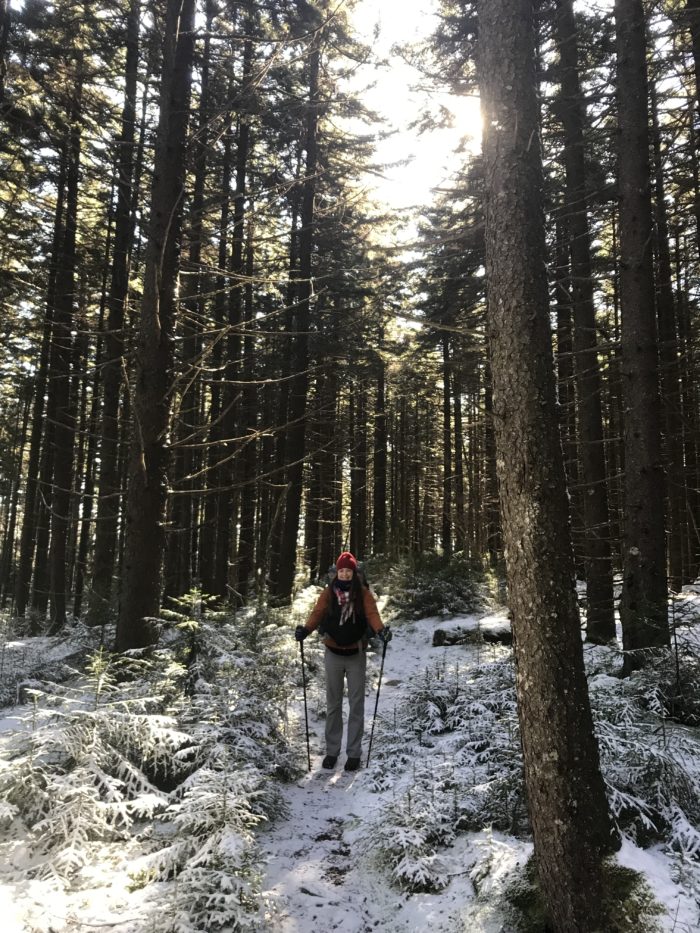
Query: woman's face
(345, 574)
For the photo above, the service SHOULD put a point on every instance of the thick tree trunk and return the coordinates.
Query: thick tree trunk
(643, 611)
(568, 809)
(600, 624)
(147, 489)
(109, 480)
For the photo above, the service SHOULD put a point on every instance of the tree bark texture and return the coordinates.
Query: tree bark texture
(109, 483)
(182, 534)
(643, 611)
(567, 805)
(59, 384)
(148, 482)
(447, 478)
(296, 439)
(460, 518)
(597, 557)
(379, 444)
(670, 367)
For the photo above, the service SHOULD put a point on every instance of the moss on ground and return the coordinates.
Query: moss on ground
(629, 903)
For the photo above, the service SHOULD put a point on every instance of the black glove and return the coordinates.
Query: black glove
(300, 632)
(385, 635)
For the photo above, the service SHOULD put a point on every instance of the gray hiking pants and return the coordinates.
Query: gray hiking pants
(338, 667)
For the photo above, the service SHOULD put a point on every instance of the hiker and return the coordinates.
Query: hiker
(342, 613)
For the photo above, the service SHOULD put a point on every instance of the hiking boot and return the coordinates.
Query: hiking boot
(329, 761)
(352, 764)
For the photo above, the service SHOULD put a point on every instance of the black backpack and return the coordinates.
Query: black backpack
(352, 630)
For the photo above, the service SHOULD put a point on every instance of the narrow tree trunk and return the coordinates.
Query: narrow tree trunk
(568, 809)
(692, 15)
(41, 577)
(460, 518)
(615, 447)
(109, 480)
(38, 422)
(181, 532)
(5, 15)
(215, 501)
(147, 489)
(494, 543)
(64, 407)
(689, 381)
(565, 383)
(8, 551)
(379, 462)
(245, 564)
(312, 508)
(600, 624)
(643, 612)
(446, 449)
(295, 447)
(330, 487)
(92, 430)
(79, 404)
(669, 368)
(231, 418)
(282, 414)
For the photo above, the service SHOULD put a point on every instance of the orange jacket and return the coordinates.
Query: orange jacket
(318, 613)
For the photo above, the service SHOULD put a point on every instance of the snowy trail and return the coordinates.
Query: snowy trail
(315, 876)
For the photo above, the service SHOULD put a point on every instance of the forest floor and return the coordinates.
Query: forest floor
(356, 852)
(318, 876)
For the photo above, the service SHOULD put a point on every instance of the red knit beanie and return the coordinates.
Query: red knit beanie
(346, 560)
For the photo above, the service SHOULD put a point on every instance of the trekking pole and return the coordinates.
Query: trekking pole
(376, 704)
(306, 709)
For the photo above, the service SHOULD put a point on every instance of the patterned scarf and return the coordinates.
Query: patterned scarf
(347, 609)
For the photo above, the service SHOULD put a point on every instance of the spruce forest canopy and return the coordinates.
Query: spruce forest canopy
(226, 358)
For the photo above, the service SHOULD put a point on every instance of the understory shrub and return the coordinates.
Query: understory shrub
(468, 776)
(430, 585)
(451, 756)
(176, 746)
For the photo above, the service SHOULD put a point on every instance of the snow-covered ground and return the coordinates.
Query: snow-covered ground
(317, 876)
(321, 870)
